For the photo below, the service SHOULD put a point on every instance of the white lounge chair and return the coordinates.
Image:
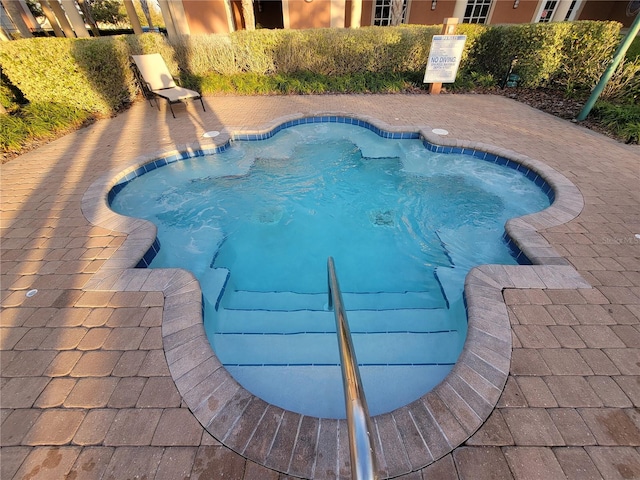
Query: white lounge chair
(156, 79)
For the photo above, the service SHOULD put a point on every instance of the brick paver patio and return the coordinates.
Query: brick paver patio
(86, 388)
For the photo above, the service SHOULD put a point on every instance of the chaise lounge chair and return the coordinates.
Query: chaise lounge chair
(153, 74)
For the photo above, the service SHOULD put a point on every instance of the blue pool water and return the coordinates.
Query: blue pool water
(257, 222)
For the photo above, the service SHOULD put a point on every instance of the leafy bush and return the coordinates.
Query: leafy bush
(622, 119)
(587, 49)
(570, 54)
(9, 97)
(634, 49)
(93, 76)
(87, 74)
(624, 85)
(38, 121)
(322, 51)
(303, 83)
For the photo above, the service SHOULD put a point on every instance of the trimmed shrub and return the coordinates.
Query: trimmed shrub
(87, 74)
(624, 84)
(45, 70)
(570, 54)
(586, 50)
(94, 74)
(322, 51)
(304, 83)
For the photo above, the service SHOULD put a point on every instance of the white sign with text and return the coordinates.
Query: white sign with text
(444, 58)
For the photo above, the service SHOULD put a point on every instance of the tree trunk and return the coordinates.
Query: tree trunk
(147, 13)
(247, 15)
(396, 11)
(88, 17)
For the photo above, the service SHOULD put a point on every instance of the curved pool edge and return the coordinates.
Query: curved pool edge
(406, 439)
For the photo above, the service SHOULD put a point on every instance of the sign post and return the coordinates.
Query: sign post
(444, 56)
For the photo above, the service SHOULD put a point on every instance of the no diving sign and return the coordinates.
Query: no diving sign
(444, 58)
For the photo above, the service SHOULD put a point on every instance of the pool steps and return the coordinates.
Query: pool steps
(288, 301)
(314, 321)
(320, 349)
(270, 326)
(402, 350)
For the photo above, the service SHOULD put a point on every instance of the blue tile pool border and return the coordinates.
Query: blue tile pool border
(252, 137)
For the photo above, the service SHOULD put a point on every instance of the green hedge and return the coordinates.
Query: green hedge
(569, 54)
(88, 74)
(94, 74)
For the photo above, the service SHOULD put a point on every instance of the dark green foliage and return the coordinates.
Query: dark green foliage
(304, 83)
(38, 121)
(622, 119)
(10, 97)
(562, 53)
(34, 8)
(107, 11)
(89, 74)
(634, 50)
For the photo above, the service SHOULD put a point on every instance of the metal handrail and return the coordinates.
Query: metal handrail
(362, 454)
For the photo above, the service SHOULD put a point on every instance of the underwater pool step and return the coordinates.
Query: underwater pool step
(290, 301)
(405, 320)
(433, 348)
(299, 387)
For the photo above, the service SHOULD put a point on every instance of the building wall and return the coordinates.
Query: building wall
(420, 12)
(314, 14)
(210, 16)
(606, 10)
(236, 13)
(503, 11)
(367, 12)
(206, 17)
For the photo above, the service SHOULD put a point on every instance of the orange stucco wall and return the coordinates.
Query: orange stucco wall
(210, 16)
(367, 13)
(315, 14)
(420, 12)
(206, 17)
(503, 11)
(236, 12)
(607, 10)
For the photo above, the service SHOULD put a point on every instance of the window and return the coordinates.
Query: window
(547, 11)
(571, 9)
(382, 12)
(477, 11)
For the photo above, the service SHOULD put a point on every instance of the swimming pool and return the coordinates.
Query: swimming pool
(410, 326)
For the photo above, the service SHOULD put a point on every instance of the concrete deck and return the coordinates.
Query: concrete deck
(96, 373)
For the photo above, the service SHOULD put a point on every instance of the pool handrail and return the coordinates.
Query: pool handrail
(362, 453)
